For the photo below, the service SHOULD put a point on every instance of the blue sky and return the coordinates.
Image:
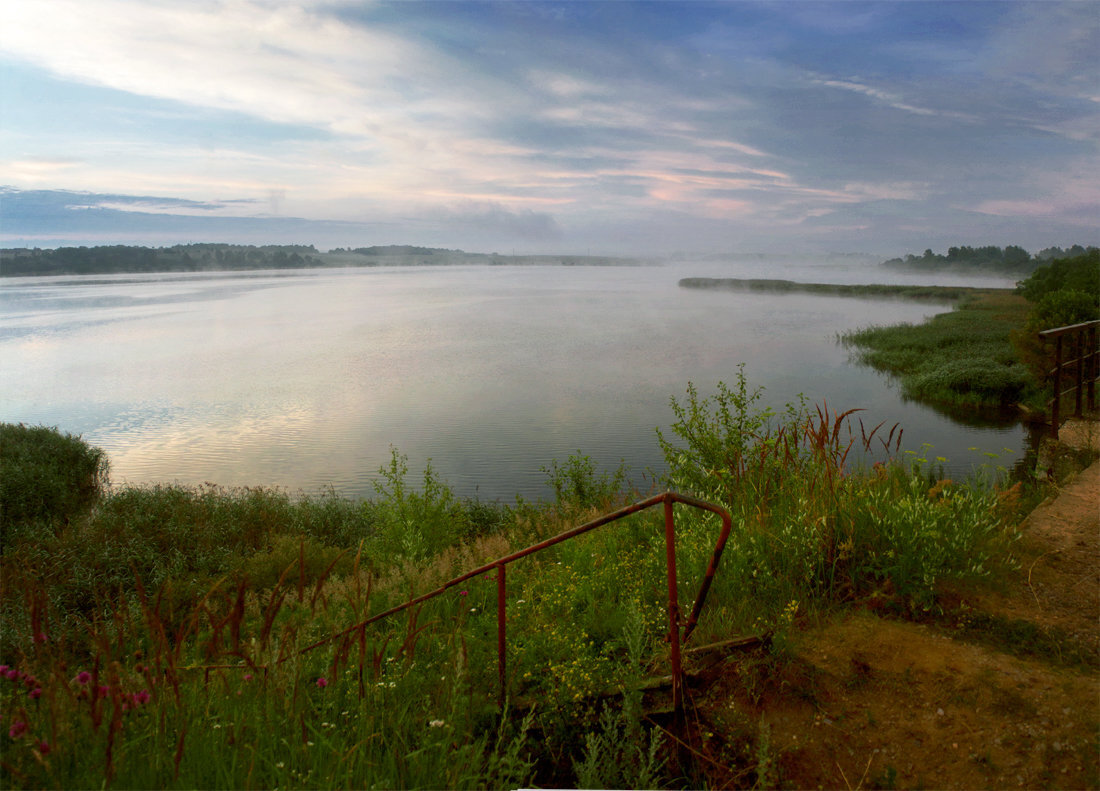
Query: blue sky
(610, 127)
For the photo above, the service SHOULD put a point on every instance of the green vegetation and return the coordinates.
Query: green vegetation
(986, 353)
(1067, 291)
(964, 358)
(176, 637)
(1063, 293)
(207, 257)
(873, 290)
(1011, 259)
(128, 259)
(46, 478)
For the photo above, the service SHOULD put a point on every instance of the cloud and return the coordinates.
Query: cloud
(493, 220)
(514, 122)
(1073, 199)
(889, 98)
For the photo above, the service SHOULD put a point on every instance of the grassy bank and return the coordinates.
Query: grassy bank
(986, 353)
(964, 358)
(871, 290)
(162, 636)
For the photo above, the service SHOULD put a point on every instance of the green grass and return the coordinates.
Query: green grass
(176, 637)
(872, 290)
(46, 477)
(964, 358)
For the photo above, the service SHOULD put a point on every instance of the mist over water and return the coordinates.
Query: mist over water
(305, 379)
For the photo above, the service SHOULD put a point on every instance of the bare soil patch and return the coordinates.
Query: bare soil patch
(869, 702)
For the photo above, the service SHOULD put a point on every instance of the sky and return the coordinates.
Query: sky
(605, 127)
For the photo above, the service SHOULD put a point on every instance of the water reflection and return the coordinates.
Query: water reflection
(306, 379)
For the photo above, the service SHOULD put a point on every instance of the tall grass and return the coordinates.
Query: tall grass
(964, 358)
(46, 477)
(197, 637)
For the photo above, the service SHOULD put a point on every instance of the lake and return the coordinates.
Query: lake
(305, 379)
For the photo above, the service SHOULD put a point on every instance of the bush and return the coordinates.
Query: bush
(1063, 293)
(980, 379)
(1062, 308)
(46, 476)
(1079, 273)
(809, 528)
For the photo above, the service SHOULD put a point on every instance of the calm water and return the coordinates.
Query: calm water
(306, 379)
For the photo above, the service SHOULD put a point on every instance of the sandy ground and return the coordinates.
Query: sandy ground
(868, 702)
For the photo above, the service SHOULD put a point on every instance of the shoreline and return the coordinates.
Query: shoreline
(871, 290)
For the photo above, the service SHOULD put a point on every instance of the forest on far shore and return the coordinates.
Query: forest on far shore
(1009, 260)
(216, 257)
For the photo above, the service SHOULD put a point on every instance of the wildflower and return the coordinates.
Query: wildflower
(36, 693)
(103, 691)
(11, 673)
(83, 677)
(280, 765)
(44, 747)
(322, 682)
(141, 697)
(436, 724)
(18, 728)
(30, 681)
(247, 676)
(3, 670)
(40, 637)
(463, 593)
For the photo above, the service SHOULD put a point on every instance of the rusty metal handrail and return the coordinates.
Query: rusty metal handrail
(674, 636)
(1084, 362)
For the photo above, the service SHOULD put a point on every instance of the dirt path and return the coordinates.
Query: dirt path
(1007, 695)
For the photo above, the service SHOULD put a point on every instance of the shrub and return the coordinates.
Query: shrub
(578, 484)
(1065, 292)
(1077, 273)
(46, 476)
(809, 528)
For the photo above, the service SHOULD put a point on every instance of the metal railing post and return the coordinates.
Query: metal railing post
(1079, 346)
(674, 616)
(667, 499)
(502, 617)
(1094, 367)
(1055, 412)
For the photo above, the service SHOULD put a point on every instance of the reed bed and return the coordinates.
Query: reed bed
(173, 637)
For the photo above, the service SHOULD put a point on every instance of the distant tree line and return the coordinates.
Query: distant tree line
(1011, 259)
(112, 259)
(394, 249)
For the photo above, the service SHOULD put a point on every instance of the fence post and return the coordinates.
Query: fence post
(1079, 346)
(1054, 410)
(674, 618)
(502, 659)
(1094, 368)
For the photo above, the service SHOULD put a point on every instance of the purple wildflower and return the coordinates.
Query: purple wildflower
(17, 729)
(83, 677)
(36, 693)
(322, 682)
